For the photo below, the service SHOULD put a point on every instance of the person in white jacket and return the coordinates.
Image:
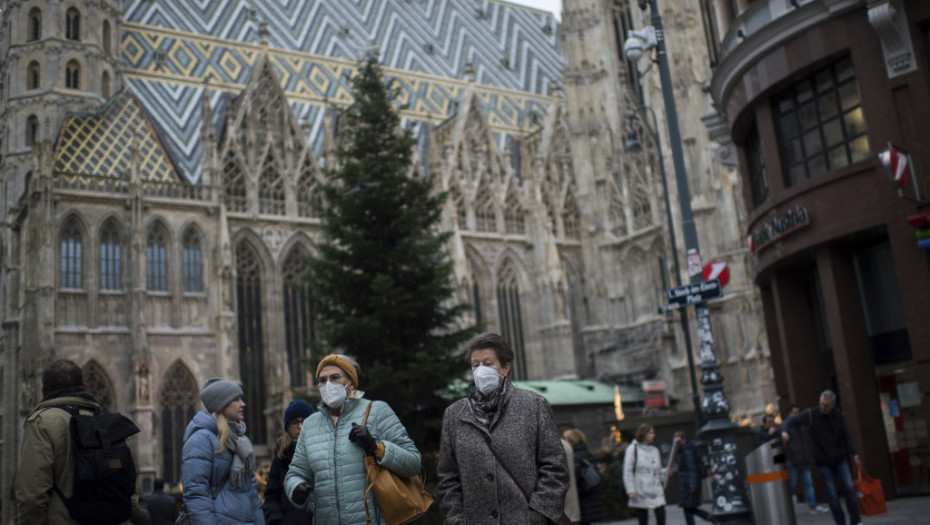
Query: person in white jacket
(644, 476)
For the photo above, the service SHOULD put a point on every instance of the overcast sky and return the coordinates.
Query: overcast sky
(553, 6)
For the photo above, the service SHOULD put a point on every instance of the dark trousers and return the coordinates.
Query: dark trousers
(643, 516)
(691, 512)
(841, 473)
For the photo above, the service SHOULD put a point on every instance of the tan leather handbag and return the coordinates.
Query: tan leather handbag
(402, 500)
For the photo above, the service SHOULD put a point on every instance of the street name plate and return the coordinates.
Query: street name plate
(694, 293)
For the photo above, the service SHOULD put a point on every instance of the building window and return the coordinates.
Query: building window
(192, 261)
(73, 75)
(110, 257)
(98, 384)
(73, 24)
(485, 218)
(755, 165)
(33, 77)
(71, 255)
(35, 24)
(156, 260)
(511, 316)
(105, 85)
(32, 131)
(298, 318)
(819, 123)
(514, 221)
(251, 346)
(234, 184)
(105, 37)
(271, 197)
(179, 402)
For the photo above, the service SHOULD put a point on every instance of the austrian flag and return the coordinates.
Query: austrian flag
(895, 161)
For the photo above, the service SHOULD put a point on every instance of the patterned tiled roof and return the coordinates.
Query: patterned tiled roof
(175, 49)
(101, 144)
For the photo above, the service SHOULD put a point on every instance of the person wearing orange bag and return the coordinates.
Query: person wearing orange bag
(833, 447)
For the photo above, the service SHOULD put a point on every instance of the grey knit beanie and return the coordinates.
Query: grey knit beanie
(217, 393)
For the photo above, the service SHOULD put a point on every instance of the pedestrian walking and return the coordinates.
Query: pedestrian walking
(591, 500)
(689, 468)
(500, 456)
(329, 455)
(799, 459)
(45, 478)
(278, 509)
(833, 448)
(163, 508)
(768, 432)
(218, 463)
(644, 477)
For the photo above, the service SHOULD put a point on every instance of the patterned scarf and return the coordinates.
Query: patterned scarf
(243, 464)
(485, 408)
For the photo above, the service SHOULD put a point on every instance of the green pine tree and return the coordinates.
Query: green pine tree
(382, 283)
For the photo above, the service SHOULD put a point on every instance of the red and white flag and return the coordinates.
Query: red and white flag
(896, 164)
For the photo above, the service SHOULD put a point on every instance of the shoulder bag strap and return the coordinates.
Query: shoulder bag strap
(368, 482)
(487, 439)
(367, 410)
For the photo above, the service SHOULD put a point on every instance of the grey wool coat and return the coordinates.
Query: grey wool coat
(473, 487)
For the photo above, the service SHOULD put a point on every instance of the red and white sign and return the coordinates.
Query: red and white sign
(895, 161)
(717, 270)
(655, 396)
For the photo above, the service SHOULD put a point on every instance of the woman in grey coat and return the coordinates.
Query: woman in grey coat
(474, 488)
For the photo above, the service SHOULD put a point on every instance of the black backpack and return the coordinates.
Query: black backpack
(104, 471)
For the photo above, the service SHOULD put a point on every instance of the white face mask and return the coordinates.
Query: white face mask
(333, 394)
(486, 379)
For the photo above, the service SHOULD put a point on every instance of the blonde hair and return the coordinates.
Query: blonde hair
(222, 431)
(575, 436)
(281, 442)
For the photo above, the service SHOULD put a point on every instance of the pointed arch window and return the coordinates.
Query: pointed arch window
(192, 261)
(73, 75)
(98, 384)
(110, 257)
(270, 189)
(105, 37)
(251, 346)
(298, 318)
(72, 256)
(156, 259)
(32, 131)
(179, 398)
(571, 217)
(33, 76)
(514, 216)
(35, 24)
(105, 85)
(511, 316)
(234, 182)
(642, 209)
(485, 218)
(309, 201)
(73, 24)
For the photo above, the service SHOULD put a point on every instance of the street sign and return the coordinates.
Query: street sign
(717, 270)
(694, 293)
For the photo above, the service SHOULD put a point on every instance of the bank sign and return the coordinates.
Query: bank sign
(777, 228)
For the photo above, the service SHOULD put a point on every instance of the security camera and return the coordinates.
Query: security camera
(639, 42)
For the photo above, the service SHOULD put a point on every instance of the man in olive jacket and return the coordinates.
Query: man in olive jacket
(46, 460)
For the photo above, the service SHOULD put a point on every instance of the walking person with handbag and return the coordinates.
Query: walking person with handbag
(218, 463)
(330, 455)
(689, 494)
(833, 447)
(278, 509)
(644, 476)
(500, 456)
(589, 478)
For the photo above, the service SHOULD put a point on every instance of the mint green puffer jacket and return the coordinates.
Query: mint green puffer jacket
(333, 465)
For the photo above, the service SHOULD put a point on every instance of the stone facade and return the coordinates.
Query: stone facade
(154, 284)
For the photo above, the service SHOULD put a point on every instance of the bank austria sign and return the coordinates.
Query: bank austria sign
(777, 228)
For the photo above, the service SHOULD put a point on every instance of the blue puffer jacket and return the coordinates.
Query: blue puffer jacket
(333, 465)
(202, 470)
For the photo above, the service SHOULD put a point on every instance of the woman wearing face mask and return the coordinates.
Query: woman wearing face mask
(475, 486)
(278, 509)
(218, 465)
(330, 452)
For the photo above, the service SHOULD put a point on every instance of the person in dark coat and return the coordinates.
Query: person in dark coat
(799, 459)
(163, 508)
(517, 424)
(833, 447)
(589, 498)
(768, 432)
(278, 509)
(689, 494)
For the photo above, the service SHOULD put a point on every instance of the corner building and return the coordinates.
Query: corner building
(813, 92)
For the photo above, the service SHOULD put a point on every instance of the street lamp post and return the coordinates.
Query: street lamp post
(653, 127)
(719, 434)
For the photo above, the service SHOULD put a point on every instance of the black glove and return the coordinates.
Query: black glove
(360, 434)
(301, 493)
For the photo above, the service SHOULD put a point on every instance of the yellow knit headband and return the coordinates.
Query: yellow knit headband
(341, 362)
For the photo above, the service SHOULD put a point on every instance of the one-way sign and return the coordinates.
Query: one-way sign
(694, 293)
